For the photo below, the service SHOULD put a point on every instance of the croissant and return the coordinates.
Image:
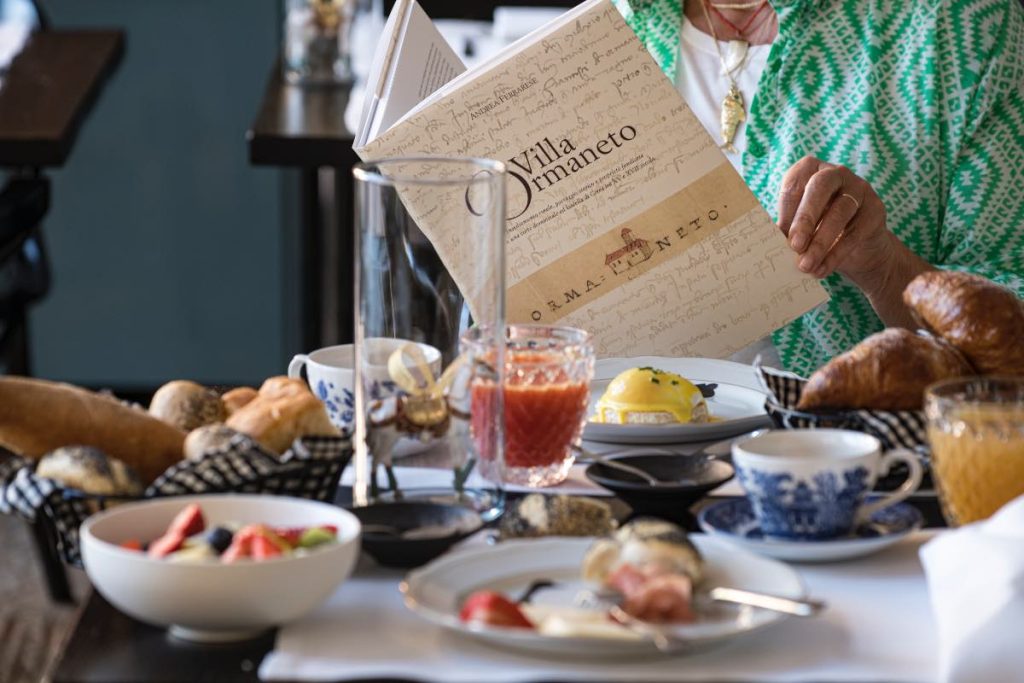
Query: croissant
(887, 371)
(977, 316)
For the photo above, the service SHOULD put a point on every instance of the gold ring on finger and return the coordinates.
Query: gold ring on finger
(853, 199)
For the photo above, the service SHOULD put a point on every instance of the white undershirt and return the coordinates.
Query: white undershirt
(702, 82)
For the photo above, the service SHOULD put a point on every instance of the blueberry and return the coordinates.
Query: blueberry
(219, 539)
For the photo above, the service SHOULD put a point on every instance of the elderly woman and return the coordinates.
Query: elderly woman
(888, 135)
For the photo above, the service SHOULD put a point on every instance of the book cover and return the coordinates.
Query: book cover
(623, 216)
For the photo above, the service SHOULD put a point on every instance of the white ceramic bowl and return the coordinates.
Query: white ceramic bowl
(216, 602)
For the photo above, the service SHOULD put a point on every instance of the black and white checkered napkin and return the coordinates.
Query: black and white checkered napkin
(311, 469)
(894, 428)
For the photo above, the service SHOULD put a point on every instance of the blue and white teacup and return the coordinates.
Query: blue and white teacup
(330, 372)
(811, 484)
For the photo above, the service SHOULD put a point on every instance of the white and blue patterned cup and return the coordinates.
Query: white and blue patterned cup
(330, 372)
(811, 484)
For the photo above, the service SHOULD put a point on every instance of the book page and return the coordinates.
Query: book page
(413, 60)
(624, 217)
(500, 57)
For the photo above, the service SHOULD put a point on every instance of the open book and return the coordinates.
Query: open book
(624, 217)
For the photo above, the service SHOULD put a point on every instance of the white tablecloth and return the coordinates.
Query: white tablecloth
(878, 627)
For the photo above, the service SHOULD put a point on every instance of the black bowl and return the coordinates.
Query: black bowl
(453, 522)
(687, 479)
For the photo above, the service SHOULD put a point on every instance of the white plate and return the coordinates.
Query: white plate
(738, 401)
(733, 520)
(436, 591)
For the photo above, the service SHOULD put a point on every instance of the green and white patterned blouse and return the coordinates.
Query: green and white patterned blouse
(924, 99)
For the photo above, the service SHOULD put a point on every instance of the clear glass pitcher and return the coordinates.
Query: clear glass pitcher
(430, 262)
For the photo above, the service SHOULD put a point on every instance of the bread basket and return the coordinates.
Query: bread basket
(894, 428)
(310, 469)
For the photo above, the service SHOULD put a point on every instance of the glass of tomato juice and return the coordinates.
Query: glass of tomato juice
(544, 403)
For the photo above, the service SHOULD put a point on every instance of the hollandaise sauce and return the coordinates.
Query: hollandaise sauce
(651, 396)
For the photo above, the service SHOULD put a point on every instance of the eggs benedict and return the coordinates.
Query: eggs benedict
(651, 396)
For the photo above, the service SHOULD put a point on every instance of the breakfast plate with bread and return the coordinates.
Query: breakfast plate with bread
(648, 400)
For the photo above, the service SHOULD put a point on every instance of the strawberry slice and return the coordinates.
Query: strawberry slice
(188, 522)
(240, 548)
(131, 544)
(264, 531)
(166, 544)
(264, 548)
(493, 609)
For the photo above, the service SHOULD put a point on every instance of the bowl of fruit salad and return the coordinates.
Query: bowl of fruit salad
(219, 567)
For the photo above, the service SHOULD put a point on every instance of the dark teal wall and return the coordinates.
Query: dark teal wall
(166, 243)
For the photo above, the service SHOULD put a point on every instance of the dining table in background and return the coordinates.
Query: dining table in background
(49, 90)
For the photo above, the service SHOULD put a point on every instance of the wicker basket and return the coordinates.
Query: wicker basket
(311, 469)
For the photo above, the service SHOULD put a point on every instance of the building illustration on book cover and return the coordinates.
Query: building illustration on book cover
(634, 252)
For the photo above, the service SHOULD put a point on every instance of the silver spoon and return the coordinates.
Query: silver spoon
(623, 467)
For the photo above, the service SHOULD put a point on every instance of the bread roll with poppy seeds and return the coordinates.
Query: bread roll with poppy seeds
(187, 405)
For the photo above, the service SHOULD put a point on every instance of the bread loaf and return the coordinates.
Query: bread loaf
(187, 405)
(887, 371)
(37, 416)
(977, 316)
(283, 411)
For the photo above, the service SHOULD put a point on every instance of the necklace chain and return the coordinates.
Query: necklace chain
(734, 111)
(718, 48)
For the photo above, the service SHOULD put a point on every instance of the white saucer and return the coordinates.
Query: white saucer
(734, 521)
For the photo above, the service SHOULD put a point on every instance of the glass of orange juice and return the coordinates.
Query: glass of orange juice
(976, 432)
(547, 390)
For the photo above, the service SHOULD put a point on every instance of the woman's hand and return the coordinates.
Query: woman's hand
(835, 222)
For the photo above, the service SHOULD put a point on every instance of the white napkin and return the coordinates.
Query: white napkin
(976, 583)
(877, 628)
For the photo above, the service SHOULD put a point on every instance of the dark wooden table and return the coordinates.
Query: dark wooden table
(108, 647)
(304, 128)
(49, 89)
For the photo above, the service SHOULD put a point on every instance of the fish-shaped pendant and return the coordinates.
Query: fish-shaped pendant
(733, 114)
